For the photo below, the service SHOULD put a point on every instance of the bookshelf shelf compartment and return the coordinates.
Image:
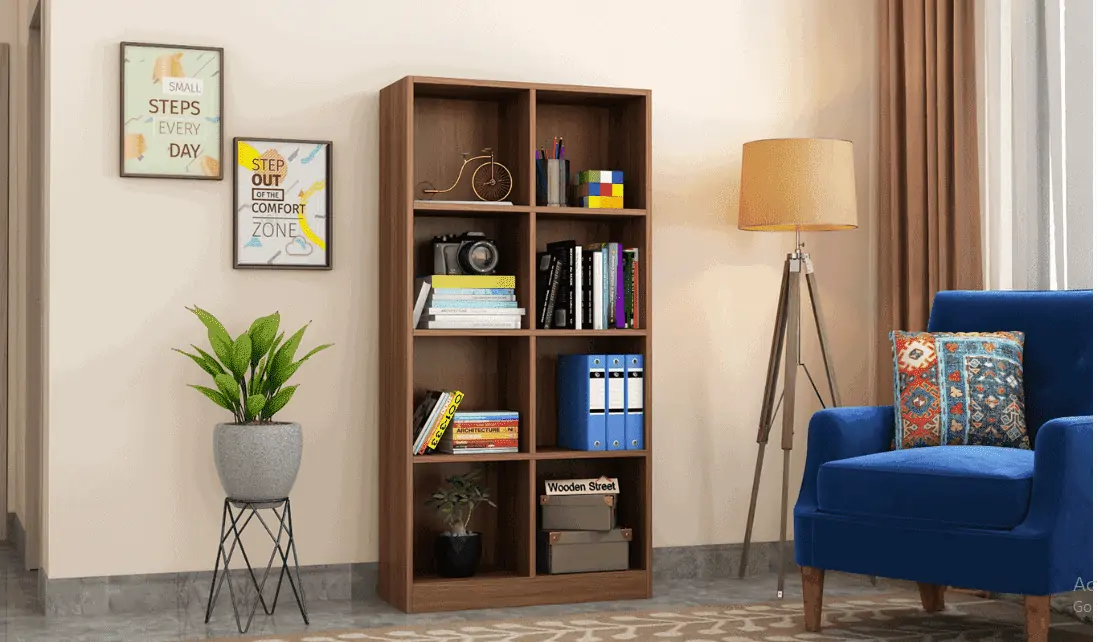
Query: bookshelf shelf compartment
(446, 126)
(502, 528)
(424, 124)
(633, 502)
(600, 132)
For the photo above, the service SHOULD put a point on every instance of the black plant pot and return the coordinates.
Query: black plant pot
(457, 556)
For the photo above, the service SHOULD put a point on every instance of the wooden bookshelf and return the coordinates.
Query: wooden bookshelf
(424, 124)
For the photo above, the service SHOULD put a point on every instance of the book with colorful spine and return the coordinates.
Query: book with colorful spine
(481, 432)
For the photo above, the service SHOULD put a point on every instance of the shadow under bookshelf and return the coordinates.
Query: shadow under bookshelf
(424, 124)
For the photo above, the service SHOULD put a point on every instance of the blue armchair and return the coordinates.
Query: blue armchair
(979, 517)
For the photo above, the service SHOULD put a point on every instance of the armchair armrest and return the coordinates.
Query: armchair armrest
(841, 433)
(1062, 484)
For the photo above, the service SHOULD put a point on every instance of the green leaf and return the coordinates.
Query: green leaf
(257, 380)
(228, 386)
(255, 406)
(200, 361)
(262, 333)
(223, 349)
(215, 327)
(284, 357)
(278, 401)
(213, 363)
(274, 346)
(214, 396)
(241, 355)
(280, 377)
(315, 350)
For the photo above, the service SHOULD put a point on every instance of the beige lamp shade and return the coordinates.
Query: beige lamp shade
(798, 184)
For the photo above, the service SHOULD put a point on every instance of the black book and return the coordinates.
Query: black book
(544, 278)
(553, 291)
(588, 290)
(564, 251)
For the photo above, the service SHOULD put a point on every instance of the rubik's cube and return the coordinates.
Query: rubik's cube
(603, 189)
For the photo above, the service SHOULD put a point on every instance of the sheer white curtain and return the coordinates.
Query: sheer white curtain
(1036, 142)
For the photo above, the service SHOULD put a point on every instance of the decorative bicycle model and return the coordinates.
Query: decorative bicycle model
(491, 181)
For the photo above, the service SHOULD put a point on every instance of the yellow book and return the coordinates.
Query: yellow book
(479, 436)
(447, 418)
(471, 281)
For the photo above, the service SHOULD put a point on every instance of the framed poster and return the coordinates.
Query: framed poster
(281, 203)
(172, 98)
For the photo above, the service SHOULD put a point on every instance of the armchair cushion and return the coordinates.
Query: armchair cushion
(958, 388)
(936, 487)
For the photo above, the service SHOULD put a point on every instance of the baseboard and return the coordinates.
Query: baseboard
(137, 594)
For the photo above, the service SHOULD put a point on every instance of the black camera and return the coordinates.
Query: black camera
(468, 253)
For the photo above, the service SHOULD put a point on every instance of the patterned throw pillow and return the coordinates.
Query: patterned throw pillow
(959, 388)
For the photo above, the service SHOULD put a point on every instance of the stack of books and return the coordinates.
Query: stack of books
(588, 288)
(432, 418)
(461, 302)
(481, 432)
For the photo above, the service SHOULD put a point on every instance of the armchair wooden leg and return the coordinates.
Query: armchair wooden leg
(813, 597)
(933, 597)
(1037, 617)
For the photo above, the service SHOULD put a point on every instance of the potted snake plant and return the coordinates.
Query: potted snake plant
(257, 457)
(457, 551)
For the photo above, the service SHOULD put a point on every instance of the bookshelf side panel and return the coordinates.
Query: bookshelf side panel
(394, 262)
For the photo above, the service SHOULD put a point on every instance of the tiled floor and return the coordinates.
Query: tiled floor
(21, 620)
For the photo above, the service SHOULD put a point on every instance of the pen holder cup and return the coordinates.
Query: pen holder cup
(552, 181)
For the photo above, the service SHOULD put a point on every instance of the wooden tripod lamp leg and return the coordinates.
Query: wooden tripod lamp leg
(766, 419)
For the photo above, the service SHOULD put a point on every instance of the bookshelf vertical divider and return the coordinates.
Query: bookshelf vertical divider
(424, 125)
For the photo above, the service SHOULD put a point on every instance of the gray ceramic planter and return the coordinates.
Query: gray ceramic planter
(257, 462)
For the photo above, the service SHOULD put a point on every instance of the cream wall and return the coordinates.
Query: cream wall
(132, 486)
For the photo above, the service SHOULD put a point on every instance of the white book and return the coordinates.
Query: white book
(483, 312)
(599, 305)
(578, 293)
(472, 297)
(420, 302)
(474, 323)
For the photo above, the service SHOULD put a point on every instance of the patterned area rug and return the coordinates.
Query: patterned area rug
(882, 617)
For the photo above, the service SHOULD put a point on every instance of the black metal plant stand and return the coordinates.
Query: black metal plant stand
(232, 526)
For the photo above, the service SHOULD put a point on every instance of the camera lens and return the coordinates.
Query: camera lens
(479, 257)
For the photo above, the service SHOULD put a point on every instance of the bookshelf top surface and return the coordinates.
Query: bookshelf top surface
(468, 88)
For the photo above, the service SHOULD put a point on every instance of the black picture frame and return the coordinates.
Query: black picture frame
(220, 52)
(329, 227)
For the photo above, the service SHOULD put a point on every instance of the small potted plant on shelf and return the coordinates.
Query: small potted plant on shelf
(457, 551)
(257, 457)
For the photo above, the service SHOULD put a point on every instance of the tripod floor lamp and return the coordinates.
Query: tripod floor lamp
(793, 185)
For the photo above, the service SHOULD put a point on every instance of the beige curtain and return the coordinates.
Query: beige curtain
(929, 230)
